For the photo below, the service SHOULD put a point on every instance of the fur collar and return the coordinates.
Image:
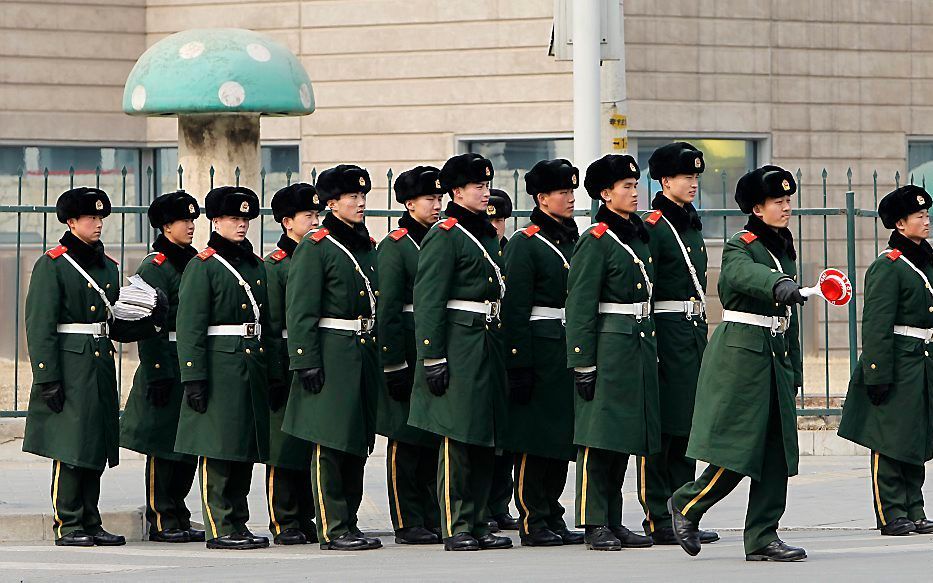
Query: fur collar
(682, 217)
(416, 230)
(177, 255)
(556, 230)
(920, 254)
(86, 255)
(286, 244)
(476, 223)
(235, 253)
(780, 242)
(626, 229)
(355, 238)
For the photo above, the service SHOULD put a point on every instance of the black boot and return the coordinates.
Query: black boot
(102, 538)
(663, 536)
(542, 537)
(570, 537)
(506, 521)
(491, 542)
(924, 526)
(461, 542)
(629, 539)
(347, 542)
(195, 535)
(77, 538)
(601, 538)
(310, 533)
(262, 541)
(778, 550)
(492, 525)
(374, 543)
(416, 535)
(708, 536)
(170, 535)
(685, 532)
(290, 536)
(899, 527)
(234, 542)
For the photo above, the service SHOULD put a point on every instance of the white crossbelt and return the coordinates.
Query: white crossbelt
(249, 295)
(545, 313)
(495, 267)
(408, 308)
(777, 324)
(638, 309)
(359, 325)
(689, 307)
(925, 334)
(172, 337)
(486, 308)
(690, 268)
(248, 330)
(95, 329)
(91, 282)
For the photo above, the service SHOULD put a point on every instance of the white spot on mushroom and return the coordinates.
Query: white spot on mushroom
(138, 99)
(231, 94)
(305, 94)
(191, 50)
(258, 52)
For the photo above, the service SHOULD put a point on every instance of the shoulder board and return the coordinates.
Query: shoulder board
(319, 235)
(159, 259)
(111, 258)
(530, 230)
(894, 254)
(205, 255)
(56, 252)
(654, 217)
(748, 238)
(599, 230)
(398, 234)
(373, 241)
(278, 255)
(449, 224)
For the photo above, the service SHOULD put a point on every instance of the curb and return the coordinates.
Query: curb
(38, 527)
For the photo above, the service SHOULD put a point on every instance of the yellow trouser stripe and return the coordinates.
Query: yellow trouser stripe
(58, 473)
(271, 493)
(320, 496)
(207, 506)
(398, 507)
(152, 505)
(450, 531)
(521, 491)
(703, 491)
(644, 496)
(874, 481)
(586, 458)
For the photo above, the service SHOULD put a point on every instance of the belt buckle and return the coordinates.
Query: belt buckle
(250, 329)
(780, 325)
(101, 329)
(366, 325)
(494, 308)
(645, 309)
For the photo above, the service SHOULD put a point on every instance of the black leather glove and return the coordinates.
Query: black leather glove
(521, 384)
(585, 383)
(158, 392)
(787, 292)
(438, 377)
(196, 395)
(398, 383)
(312, 379)
(54, 395)
(160, 311)
(877, 394)
(278, 394)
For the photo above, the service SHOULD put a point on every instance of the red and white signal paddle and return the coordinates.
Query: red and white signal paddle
(833, 286)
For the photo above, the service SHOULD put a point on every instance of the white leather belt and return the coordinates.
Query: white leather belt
(285, 334)
(95, 329)
(925, 334)
(486, 308)
(249, 330)
(360, 325)
(777, 324)
(638, 309)
(408, 308)
(545, 313)
(172, 337)
(689, 307)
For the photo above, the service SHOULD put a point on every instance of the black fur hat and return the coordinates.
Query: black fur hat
(342, 179)
(902, 202)
(231, 201)
(82, 201)
(550, 175)
(500, 205)
(465, 169)
(293, 199)
(761, 184)
(172, 206)
(419, 181)
(674, 159)
(608, 170)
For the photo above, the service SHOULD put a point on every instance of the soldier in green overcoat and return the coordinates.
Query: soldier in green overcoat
(611, 347)
(222, 327)
(330, 306)
(150, 419)
(679, 255)
(459, 390)
(411, 457)
(288, 469)
(73, 415)
(887, 408)
(745, 420)
(540, 415)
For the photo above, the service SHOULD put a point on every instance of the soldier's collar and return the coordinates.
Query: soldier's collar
(476, 223)
(416, 230)
(780, 242)
(287, 244)
(681, 217)
(355, 238)
(235, 253)
(177, 255)
(554, 229)
(626, 229)
(919, 254)
(86, 255)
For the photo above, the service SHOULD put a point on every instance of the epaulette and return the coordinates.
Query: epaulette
(530, 230)
(748, 238)
(373, 241)
(449, 224)
(57, 252)
(894, 254)
(398, 233)
(654, 217)
(319, 235)
(599, 230)
(159, 259)
(278, 255)
(111, 258)
(205, 255)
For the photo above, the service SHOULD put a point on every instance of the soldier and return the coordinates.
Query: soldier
(887, 406)
(611, 347)
(459, 390)
(73, 415)
(288, 469)
(745, 422)
(150, 420)
(330, 309)
(223, 313)
(679, 256)
(540, 426)
(411, 459)
(499, 209)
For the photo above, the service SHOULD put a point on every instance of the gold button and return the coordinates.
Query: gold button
(500, 253)
(785, 354)
(385, 348)
(695, 324)
(650, 260)
(930, 308)
(490, 279)
(926, 353)
(874, 366)
(652, 332)
(642, 334)
(107, 286)
(776, 304)
(486, 302)
(566, 266)
(702, 248)
(426, 342)
(260, 350)
(499, 325)
(773, 270)
(93, 308)
(689, 249)
(111, 353)
(692, 299)
(576, 349)
(300, 351)
(357, 269)
(486, 255)
(189, 363)
(362, 341)
(514, 351)
(157, 365)
(41, 365)
(376, 293)
(88, 284)
(248, 351)
(96, 353)
(362, 293)
(242, 283)
(487, 326)
(258, 282)
(243, 306)
(638, 285)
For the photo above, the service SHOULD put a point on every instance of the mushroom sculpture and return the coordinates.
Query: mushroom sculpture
(218, 82)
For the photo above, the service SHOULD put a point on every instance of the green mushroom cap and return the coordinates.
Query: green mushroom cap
(218, 70)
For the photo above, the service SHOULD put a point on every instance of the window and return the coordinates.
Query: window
(276, 160)
(919, 163)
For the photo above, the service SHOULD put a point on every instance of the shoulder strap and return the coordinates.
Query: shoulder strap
(243, 283)
(923, 276)
(369, 288)
(638, 262)
(553, 248)
(495, 267)
(417, 246)
(690, 267)
(92, 283)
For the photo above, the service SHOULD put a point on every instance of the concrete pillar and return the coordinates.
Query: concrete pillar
(586, 83)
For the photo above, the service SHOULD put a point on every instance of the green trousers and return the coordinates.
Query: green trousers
(290, 500)
(659, 475)
(600, 473)
(167, 484)
(897, 489)
(224, 488)
(539, 482)
(464, 480)
(411, 475)
(75, 495)
(338, 491)
(500, 493)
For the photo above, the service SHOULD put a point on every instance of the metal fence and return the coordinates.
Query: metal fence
(827, 216)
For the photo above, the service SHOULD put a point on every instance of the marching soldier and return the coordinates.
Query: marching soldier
(288, 469)
(540, 426)
(459, 390)
(222, 328)
(744, 422)
(330, 310)
(611, 347)
(73, 415)
(150, 420)
(411, 459)
(887, 406)
(679, 256)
